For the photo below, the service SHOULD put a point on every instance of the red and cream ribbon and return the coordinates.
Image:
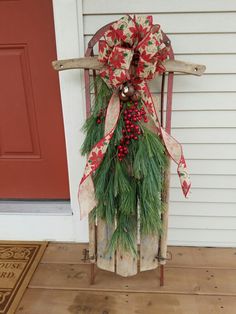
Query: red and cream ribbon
(126, 38)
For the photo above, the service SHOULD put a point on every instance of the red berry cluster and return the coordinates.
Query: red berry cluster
(99, 117)
(131, 115)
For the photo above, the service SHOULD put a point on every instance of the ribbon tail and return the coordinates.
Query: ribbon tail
(86, 191)
(86, 197)
(175, 151)
(173, 147)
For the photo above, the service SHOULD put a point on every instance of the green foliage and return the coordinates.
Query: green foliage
(94, 131)
(124, 236)
(148, 168)
(127, 190)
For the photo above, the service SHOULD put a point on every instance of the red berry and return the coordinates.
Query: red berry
(128, 130)
(135, 137)
(98, 121)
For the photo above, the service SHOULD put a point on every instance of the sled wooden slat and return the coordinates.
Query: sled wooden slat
(105, 260)
(165, 216)
(126, 264)
(92, 239)
(148, 252)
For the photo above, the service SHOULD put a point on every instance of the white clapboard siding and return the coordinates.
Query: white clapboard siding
(213, 223)
(204, 195)
(208, 181)
(204, 110)
(138, 6)
(206, 135)
(202, 237)
(214, 167)
(175, 22)
(204, 119)
(210, 151)
(204, 101)
(202, 209)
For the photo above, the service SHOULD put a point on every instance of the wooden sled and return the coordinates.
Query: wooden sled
(152, 250)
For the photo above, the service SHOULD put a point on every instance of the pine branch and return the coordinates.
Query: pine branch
(125, 187)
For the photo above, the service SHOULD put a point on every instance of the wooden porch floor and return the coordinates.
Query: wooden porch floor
(197, 281)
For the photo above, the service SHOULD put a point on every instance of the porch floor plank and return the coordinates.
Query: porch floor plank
(197, 280)
(182, 256)
(38, 301)
(177, 280)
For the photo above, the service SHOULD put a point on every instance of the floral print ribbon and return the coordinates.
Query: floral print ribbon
(132, 50)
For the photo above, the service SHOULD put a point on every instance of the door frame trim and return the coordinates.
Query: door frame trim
(35, 207)
(68, 20)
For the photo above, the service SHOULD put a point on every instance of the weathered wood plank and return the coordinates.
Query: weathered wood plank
(92, 239)
(202, 257)
(71, 253)
(177, 280)
(93, 63)
(148, 252)
(65, 253)
(165, 215)
(105, 260)
(38, 301)
(126, 264)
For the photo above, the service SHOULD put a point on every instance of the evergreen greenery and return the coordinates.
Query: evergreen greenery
(94, 132)
(127, 190)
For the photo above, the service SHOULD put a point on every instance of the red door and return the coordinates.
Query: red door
(32, 144)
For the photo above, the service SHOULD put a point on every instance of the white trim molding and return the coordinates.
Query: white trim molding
(59, 226)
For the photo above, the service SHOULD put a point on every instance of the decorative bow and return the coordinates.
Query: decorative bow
(133, 50)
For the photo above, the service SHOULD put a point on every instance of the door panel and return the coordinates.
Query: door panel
(32, 145)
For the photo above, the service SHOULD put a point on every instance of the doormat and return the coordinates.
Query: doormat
(18, 261)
